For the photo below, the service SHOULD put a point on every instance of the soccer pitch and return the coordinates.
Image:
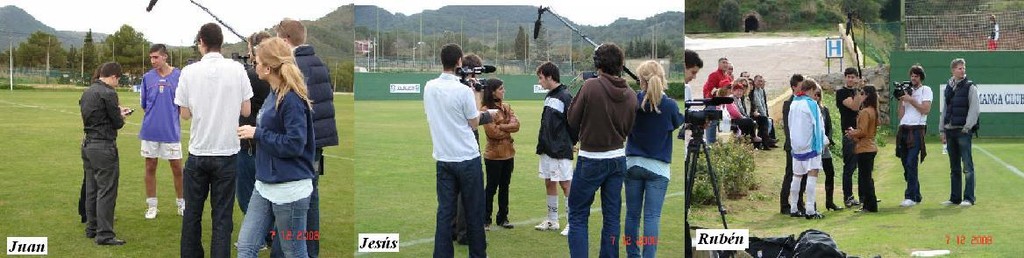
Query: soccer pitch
(42, 168)
(396, 194)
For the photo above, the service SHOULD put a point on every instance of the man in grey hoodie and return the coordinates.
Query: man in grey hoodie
(602, 113)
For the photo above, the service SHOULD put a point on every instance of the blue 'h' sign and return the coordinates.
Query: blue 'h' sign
(833, 48)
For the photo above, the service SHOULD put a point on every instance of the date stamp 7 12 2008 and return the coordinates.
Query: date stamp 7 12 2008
(969, 240)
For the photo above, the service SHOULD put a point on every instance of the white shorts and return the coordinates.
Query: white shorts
(802, 167)
(162, 150)
(555, 169)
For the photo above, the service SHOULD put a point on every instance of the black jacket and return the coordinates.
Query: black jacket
(321, 93)
(260, 89)
(785, 122)
(556, 138)
(101, 116)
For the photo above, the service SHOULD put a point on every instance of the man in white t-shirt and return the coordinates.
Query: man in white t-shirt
(913, 112)
(451, 115)
(213, 93)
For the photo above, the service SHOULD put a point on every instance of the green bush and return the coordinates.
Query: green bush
(729, 16)
(733, 163)
(676, 90)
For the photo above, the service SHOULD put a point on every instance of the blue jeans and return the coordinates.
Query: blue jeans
(245, 177)
(645, 191)
(289, 218)
(214, 177)
(453, 178)
(591, 174)
(711, 133)
(910, 164)
(312, 215)
(959, 145)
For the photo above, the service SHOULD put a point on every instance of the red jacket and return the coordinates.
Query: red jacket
(713, 79)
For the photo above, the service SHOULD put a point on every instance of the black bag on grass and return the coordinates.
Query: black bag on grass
(817, 244)
(772, 247)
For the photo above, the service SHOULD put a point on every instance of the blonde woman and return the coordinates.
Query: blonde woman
(648, 154)
(284, 158)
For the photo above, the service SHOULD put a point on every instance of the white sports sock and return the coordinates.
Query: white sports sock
(794, 194)
(553, 207)
(151, 201)
(809, 200)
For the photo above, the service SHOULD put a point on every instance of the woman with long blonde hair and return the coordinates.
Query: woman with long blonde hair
(284, 157)
(648, 154)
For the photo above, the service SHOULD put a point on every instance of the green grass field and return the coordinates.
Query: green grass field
(42, 170)
(396, 194)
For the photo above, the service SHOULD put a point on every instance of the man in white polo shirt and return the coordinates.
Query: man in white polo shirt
(213, 93)
(451, 115)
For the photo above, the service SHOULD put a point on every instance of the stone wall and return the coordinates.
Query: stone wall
(875, 76)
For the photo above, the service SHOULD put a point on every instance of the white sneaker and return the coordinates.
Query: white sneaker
(565, 232)
(948, 203)
(151, 213)
(547, 225)
(908, 203)
(966, 204)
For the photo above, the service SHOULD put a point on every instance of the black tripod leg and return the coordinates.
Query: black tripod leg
(690, 171)
(714, 184)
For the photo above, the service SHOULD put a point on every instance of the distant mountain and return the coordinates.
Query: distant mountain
(481, 23)
(19, 25)
(331, 35)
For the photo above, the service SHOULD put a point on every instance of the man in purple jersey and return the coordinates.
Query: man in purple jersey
(161, 127)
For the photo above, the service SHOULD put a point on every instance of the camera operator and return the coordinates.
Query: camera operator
(452, 114)
(913, 113)
(470, 80)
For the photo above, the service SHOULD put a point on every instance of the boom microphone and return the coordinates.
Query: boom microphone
(151, 4)
(536, 24)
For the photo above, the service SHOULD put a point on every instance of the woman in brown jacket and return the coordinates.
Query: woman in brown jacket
(500, 152)
(864, 136)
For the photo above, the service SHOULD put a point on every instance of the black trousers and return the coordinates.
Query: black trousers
(787, 182)
(499, 175)
(746, 126)
(830, 179)
(865, 182)
(849, 166)
(763, 126)
(102, 172)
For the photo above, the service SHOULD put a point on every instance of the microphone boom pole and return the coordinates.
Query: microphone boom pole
(541, 11)
(219, 21)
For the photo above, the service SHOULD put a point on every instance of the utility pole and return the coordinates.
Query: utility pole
(497, 41)
(48, 59)
(10, 52)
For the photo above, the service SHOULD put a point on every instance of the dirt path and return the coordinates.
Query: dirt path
(775, 58)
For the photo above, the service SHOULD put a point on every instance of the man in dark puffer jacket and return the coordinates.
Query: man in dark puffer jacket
(321, 93)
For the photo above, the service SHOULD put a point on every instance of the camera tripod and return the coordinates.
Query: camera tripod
(695, 148)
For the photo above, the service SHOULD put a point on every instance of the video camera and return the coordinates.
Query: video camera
(902, 88)
(696, 119)
(466, 71)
